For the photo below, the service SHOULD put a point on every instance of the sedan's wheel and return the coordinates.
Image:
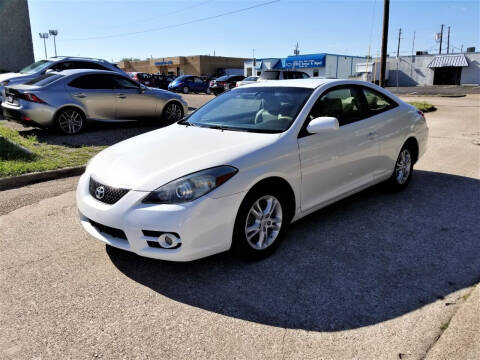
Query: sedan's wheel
(208, 92)
(172, 113)
(403, 170)
(260, 224)
(70, 121)
(186, 89)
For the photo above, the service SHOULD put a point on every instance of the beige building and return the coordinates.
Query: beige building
(200, 65)
(16, 49)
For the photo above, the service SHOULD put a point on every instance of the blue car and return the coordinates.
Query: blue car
(189, 83)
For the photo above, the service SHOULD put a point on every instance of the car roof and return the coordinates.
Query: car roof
(304, 83)
(86, 71)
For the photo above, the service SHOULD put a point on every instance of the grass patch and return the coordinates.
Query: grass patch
(22, 155)
(423, 106)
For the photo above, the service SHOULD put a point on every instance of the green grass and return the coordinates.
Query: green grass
(16, 161)
(423, 106)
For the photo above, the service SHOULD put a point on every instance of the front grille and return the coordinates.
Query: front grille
(116, 233)
(104, 193)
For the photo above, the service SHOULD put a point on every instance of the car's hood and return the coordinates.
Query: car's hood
(148, 161)
(11, 75)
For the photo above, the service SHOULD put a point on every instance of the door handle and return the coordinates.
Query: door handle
(79, 95)
(121, 96)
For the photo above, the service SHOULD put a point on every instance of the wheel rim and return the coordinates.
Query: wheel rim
(185, 90)
(403, 166)
(264, 222)
(70, 121)
(173, 112)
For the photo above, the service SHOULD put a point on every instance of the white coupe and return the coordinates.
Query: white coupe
(236, 172)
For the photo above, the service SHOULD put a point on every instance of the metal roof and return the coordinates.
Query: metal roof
(448, 60)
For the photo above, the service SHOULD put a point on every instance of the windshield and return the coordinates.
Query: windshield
(181, 78)
(223, 78)
(257, 109)
(44, 79)
(35, 67)
(270, 75)
(251, 78)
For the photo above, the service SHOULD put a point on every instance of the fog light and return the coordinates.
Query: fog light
(168, 240)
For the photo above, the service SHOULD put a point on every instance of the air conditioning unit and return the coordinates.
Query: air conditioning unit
(421, 53)
(471, 49)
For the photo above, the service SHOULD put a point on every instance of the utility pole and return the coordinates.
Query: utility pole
(413, 52)
(383, 61)
(448, 41)
(254, 63)
(441, 39)
(398, 50)
(461, 49)
(44, 36)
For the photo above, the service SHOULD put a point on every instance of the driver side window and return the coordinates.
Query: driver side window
(343, 103)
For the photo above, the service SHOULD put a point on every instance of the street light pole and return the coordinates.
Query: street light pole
(54, 33)
(44, 36)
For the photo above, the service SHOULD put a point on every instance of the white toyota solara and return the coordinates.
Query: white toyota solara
(237, 171)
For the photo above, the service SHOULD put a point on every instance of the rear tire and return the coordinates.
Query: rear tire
(70, 121)
(402, 173)
(261, 223)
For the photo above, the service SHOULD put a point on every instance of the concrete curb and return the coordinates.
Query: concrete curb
(32, 178)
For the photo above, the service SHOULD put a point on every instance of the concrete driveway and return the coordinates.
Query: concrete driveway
(376, 276)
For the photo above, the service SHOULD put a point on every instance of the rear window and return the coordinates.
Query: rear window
(223, 78)
(270, 75)
(44, 79)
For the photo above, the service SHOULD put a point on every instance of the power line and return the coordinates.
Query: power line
(177, 25)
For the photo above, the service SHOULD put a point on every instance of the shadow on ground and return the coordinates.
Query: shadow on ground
(364, 260)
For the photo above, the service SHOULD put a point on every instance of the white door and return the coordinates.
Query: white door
(336, 162)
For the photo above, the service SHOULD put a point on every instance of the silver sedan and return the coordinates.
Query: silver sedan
(69, 99)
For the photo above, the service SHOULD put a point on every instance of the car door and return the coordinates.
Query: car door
(132, 101)
(385, 115)
(336, 162)
(95, 93)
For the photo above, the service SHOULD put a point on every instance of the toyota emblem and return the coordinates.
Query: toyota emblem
(100, 192)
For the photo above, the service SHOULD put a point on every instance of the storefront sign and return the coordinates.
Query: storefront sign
(305, 61)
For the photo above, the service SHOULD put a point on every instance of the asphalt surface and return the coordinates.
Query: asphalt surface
(374, 276)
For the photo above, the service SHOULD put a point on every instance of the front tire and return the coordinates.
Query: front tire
(403, 171)
(70, 121)
(172, 113)
(261, 222)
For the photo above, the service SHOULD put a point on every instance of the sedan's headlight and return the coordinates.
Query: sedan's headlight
(191, 187)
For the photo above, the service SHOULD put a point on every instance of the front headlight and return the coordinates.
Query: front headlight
(191, 187)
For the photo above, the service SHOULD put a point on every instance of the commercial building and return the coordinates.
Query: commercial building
(200, 65)
(16, 48)
(426, 69)
(316, 65)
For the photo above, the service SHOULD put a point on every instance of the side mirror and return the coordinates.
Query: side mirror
(322, 124)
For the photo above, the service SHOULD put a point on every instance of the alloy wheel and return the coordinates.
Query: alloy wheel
(173, 113)
(264, 222)
(403, 167)
(70, 121)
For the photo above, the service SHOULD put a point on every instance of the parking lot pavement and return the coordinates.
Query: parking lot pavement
(375, 276)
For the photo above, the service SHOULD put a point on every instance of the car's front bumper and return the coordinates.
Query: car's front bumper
(205, 226)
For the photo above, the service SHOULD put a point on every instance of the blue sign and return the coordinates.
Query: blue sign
(305, 61)
(170, 62)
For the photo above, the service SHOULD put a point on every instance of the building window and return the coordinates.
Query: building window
(249, 71)
(259, 73)
(315, 72)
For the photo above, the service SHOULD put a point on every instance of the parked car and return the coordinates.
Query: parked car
(247, 164)
(247, 80)
(282, 75)
(224, 83)
(162, 81)
(143, 78)
(188, 83)
(70, 98)
(58, 63)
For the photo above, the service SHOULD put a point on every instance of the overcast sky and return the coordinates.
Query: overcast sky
(115, 29)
